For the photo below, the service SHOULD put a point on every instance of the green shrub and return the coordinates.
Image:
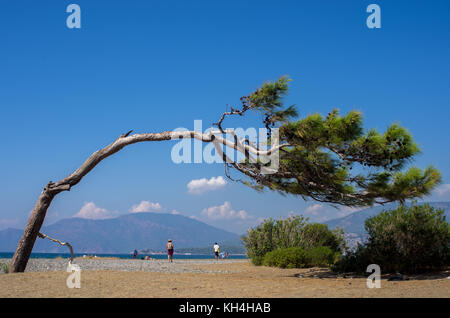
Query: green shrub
(320, 256)
(353, 261)
(291, 232)
(292, 257)
(4, 268)
(271, 235)
(316, 234)
(257, 260)
(408, 239)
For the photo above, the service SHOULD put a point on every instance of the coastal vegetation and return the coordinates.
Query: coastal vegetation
(410, 239)
(292, 242)
(4, 267)
(330, 159)
(296, 257)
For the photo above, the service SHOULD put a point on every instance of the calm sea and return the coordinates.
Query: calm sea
(123, 256)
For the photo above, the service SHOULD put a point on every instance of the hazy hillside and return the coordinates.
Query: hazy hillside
(124, 234)
(150, 231)
(354, 223)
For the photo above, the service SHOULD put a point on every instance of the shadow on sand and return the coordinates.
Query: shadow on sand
(326, 273)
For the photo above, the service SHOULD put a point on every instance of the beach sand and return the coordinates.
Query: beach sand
(222, 279)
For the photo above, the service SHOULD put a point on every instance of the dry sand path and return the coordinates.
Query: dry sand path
(225, 279)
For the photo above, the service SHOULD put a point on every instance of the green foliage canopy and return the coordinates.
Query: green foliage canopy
(333, 159)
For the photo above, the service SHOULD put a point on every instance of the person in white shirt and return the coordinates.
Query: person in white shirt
(216, 250)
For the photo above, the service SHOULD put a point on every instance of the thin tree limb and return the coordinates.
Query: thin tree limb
(26, 243)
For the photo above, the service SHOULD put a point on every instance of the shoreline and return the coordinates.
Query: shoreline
(9, 255)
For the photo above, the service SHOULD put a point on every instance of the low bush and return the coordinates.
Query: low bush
(356, 261)
(296, 257)
(321, 256)
(292, 257)
(4, 268)
(410, 239)
(257, 260)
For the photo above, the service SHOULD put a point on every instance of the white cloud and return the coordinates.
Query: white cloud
(203, 185)
(175, 212)
(146, 206)
(315, 209)
(443, 190)
(224, 211)
(91, 211)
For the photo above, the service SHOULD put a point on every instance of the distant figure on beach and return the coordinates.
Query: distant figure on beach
(135, 254)
(169, 248)
(216, 250)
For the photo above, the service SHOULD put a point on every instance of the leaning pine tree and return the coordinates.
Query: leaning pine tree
(329, 159)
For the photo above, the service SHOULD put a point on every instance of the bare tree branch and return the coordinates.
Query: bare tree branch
(26, 243)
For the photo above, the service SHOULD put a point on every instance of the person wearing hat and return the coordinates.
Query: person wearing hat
(169, 248)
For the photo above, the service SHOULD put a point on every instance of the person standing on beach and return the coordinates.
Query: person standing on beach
(169, 248)
(216, 250)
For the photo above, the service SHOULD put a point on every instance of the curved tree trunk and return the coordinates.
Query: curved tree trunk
(26, 243)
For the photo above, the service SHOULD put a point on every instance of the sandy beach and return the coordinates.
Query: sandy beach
(205, 278)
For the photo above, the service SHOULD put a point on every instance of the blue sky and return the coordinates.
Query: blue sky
(158, 65)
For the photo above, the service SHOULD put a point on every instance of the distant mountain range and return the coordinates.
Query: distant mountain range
(141, 231)
(150, 231)
(354, 222)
